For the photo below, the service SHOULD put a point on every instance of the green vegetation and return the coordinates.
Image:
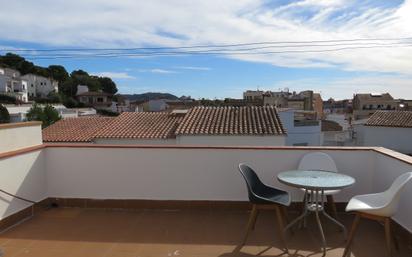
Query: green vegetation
(4, 115)
(67, 82)
(107, 113)
(47, 115)
(6, 99)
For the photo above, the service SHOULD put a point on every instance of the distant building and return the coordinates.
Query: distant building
(364, 105)
(390, 129)
(253, 95)
(18, 113)
(39, 86)
(12, 84)
(337, 106)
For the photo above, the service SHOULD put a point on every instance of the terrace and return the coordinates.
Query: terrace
(106, 200)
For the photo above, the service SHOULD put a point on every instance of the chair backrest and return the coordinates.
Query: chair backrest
(317, 161)
(391, 197)
(252, 180)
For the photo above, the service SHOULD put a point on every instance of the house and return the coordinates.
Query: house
(97, 100)
(39, 86)
(302, 127)
(364, 105)
(12, 84)
(197, 126)
(390, 129)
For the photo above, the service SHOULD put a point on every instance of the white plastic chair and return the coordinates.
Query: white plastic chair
(320, 161)
(380, 206)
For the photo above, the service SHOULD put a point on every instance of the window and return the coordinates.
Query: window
(100, 99)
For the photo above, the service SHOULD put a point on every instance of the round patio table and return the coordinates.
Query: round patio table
(315, 182)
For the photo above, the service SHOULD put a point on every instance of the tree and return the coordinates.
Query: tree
(4, 115)
(107, 85)
(58, 73)
(47, 115)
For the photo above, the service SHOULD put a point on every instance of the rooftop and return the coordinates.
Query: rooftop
(81, 129)
(247, 120)
(75, 232)
(244, 120)
(399, 119)
(148, 125)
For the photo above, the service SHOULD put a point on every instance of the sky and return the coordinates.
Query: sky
(84, 24)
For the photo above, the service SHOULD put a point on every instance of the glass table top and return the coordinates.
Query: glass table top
(315, 179)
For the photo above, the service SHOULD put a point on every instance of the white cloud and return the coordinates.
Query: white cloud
(114, 75)
(159, 71)
(107, 23)
(193, 68)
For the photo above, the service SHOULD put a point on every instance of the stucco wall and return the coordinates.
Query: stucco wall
(398, 139)
(19, 135)
(311, 135)
(182, 174)
(23, 175)
(232, 140)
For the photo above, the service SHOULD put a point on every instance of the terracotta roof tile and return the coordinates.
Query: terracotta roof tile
(80, 129)
(401, 119)
(244, 120)
(142, 125)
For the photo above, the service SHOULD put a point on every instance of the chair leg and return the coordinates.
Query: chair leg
(251, 223)
(332, 206)
(281, 226)
(388, 236)
(351, 234)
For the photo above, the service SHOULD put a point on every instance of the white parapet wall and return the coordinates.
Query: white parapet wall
(15, 136)
(23, 175)
(183, 172)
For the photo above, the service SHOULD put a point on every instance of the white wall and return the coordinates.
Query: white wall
(232, 140)
(309, 135)
(398, 139)
(182, 174)
(119, 141)
(19, 135)
(23, 175)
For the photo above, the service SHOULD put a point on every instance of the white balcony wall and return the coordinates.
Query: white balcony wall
(183, 174)
(22, 175)
(19, 135)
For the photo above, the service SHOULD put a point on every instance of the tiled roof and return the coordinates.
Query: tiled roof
(142, 125)
(80, 129)
(401, 119)
(246, 120)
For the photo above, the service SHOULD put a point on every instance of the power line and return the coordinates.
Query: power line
(209, 46)
(182, 53)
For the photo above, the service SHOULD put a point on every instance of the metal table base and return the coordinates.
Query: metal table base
(314, 202)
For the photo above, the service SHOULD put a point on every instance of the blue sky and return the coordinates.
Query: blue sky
(109, 24)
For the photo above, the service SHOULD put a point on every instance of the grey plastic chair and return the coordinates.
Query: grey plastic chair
(261, 195)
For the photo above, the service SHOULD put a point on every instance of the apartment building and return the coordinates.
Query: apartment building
(12, 84)
(39, 86)
(364, 105)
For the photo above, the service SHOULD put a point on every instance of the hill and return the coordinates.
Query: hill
(149, 96)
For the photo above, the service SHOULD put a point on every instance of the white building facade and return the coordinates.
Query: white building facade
(12, 84)
(39, 86)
